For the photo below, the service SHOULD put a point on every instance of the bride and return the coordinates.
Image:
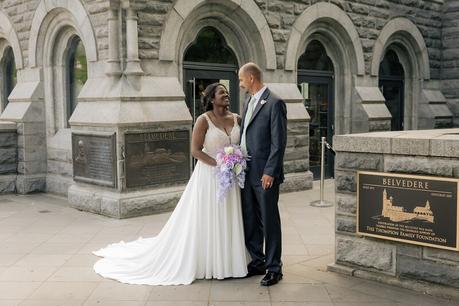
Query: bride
(203, 238)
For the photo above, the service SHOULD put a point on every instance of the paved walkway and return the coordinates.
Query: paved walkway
(46, 259)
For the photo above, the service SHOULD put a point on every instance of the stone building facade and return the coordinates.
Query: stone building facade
(114, 68)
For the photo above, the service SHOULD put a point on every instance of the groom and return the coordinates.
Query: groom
(263, 138)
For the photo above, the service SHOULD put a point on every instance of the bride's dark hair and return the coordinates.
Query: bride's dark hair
(209, 94)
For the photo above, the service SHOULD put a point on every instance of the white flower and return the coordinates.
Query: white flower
(263, 102)
(237, 169)
(229, 150)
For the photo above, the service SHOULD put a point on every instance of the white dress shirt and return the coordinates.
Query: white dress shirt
(258, 94)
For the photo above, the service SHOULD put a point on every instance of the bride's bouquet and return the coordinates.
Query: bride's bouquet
(231, 164)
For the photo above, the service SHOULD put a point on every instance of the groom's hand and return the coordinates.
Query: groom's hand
(267, 181)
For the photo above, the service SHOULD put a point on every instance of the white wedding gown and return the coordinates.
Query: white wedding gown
(203, 238)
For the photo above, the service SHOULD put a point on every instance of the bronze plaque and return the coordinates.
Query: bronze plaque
(413, 209)
(157, 158)
(94, 159)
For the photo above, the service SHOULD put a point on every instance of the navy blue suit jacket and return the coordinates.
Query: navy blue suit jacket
(266, 138)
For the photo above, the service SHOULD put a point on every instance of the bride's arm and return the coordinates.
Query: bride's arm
(197, 142)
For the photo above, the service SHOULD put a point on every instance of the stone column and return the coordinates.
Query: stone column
(113, 62)
(132, 44)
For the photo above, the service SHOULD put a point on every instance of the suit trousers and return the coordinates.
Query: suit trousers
(262, 224)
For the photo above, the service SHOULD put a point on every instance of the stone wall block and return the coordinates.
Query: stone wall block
(360, 9)
(58, 184)
(31, 154)
(297, 141)
(434, 272)
(456, 171)
(296, 166)
(346, 203)
(441, 255)
(8, 140)
(274, 20)
(287, 21)
(444, 147)
(136, 207)
(297, 181)
(280, 35)
(345, 223)
(297, 128)
(7, 156)
(59, 155)
(87, 202)
(352, 143)
(359, 161)
(379, 125)
(30, 183)
(442, 123)
(345, 181)
(37, 140)
(367, 254)
(31, 167)
(31, 128)
(294, 153)
(299, 8)
(7, 184)
(418, 165)
(409, 250)
(410, 146)
(62, 168)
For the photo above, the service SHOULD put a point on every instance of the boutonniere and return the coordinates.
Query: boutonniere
(263, 102)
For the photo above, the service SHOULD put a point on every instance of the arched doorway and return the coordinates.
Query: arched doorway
(315, 81)
(391, 83)
(208, 60)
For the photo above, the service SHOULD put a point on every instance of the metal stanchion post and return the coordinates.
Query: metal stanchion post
(322, 202)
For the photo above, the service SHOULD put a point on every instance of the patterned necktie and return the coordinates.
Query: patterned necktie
(248, 116)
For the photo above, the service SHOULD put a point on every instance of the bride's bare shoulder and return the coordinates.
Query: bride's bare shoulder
(238, 117)
(202, 122)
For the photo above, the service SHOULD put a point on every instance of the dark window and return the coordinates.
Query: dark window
(9, 75)
(210, 47)
(315, 58)
(391, 83)
(390, 66)
(77, 73)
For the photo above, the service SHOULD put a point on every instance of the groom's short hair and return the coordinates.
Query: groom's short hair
(253, 69)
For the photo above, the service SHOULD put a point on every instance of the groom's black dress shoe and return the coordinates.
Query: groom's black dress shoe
(253, 272)
(271, 278)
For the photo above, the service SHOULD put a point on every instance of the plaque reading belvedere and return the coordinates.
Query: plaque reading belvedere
(94, 159)
(157, 158)
(414, 209)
